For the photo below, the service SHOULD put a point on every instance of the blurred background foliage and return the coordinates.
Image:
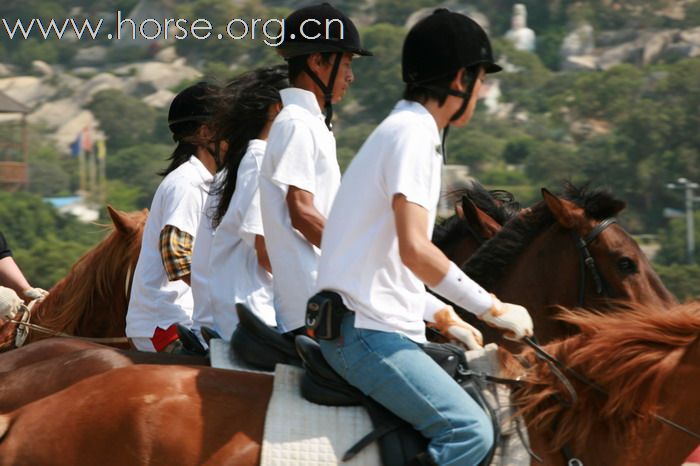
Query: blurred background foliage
(629, 128)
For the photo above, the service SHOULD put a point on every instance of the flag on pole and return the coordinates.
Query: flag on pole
(101, 149)
(77, 146)
(87, 139)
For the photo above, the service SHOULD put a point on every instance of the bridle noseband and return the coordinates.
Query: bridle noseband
(587, 263)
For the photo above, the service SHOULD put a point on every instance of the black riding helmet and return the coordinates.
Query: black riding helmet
(190, 109)
(318, 29)
(440, 45)
(194, 104)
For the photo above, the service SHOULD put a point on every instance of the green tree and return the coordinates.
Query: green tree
(50, 172)
(378, 84)
(681, 280)
(673, 242)
(125, 119)
(134, 171)
(44, 242)
(397, 11)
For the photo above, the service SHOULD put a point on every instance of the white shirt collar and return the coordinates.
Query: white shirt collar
(302, 98)
(201, 169)
(257, 144)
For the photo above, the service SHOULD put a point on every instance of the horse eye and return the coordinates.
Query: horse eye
(626, 265)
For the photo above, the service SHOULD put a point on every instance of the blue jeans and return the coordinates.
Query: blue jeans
(394, 370)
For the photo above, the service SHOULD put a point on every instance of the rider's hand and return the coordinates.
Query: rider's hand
(35, 293)
(512, 318)
(10, 303)
(449, 323)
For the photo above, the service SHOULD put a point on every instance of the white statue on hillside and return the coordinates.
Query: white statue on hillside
(519, 34)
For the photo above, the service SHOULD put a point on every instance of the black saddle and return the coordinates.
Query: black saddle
(190, 342)
(399, 443)
(260, 345)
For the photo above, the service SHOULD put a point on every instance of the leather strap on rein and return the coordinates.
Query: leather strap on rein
(542, 354)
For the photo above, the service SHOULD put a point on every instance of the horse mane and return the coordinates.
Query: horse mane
(487, 265)
(630, 354)
(86, 293)
(499, 205)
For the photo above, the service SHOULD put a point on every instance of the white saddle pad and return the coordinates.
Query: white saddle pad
(221, 357)
(300, 433)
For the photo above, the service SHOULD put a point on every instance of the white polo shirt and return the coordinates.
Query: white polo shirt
(225, 268)
(360, 246)
(155, 301)
(300, 152)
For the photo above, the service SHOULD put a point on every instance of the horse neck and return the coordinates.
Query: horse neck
(653, 445)
(646, 359)
(91, 299)
(545, 274)
(680, 401)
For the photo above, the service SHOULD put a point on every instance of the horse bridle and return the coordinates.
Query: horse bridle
(558, 368)
(587, 262)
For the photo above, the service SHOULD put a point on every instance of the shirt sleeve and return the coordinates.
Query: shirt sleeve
(176, 252)
(252, 221)
(294, 151)
(409, 167)
(182, 207)
(4, 247)
(432, 305)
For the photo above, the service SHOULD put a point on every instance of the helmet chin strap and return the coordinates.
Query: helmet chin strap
(327, 89)
(456, 116)
(216, 155)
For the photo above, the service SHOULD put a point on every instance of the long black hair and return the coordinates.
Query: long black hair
(193, 107)
(246, 110)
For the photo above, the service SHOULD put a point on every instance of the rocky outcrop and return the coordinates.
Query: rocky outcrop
(640, 48)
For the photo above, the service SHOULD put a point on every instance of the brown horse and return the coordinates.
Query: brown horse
(645, 359)
(536, 260)
(91, 300)
(48, 366)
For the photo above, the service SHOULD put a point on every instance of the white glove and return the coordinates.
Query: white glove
(10, 303)
(449, 323)
(35, 293)
(512, 318)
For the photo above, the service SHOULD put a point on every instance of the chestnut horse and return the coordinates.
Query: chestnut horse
(92, 299)
(48, 366)
(646, 360)
(536, 260)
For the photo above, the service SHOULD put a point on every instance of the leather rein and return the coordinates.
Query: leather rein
(24, 324)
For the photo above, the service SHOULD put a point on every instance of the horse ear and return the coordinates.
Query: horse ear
(484, 224)
(617, 207)
(562, 209)
(122, 222)
(469, 212)
(459, 209)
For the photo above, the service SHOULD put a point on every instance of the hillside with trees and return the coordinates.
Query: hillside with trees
(630, 124)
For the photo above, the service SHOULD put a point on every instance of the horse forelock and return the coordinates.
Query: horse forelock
(630, 354)
(598, 204)
(94, 285)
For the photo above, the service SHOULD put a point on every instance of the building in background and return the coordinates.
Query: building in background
(14, 149)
